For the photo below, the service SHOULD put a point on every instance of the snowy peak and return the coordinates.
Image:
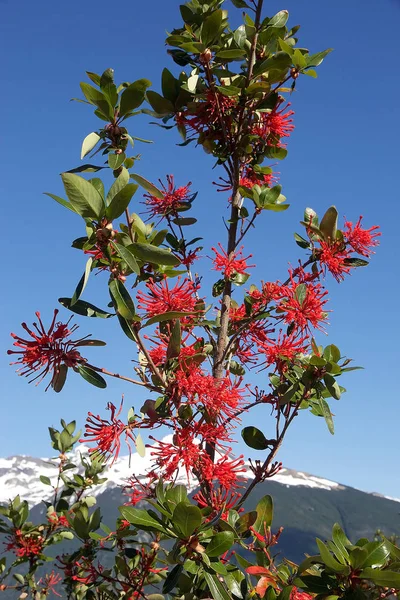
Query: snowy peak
(20, 475)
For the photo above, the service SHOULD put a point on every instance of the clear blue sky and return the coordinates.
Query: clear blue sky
(344, 151)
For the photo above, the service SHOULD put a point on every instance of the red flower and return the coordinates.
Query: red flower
(303, 305)
(332, 256)
(275, 125)
(295, 594)
(24, 544)
(218, 396)
(184, 451)
(204, 117)
(106, 434)
(361, 240)
(49, 583)
(250, 178)
(161, 299)
(225, 471)
(172, 199)
(58, 520)
(283, 351)
(47, 350)
(232, 264)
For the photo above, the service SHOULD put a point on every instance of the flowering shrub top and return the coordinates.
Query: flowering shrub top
(231, 98)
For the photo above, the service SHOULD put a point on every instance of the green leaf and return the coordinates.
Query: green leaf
(299, 59)
(162, 106)
(59, 378)
(45, 480)
(330, 561)
(316, 59)
(98, 99)
(220, 543)
(133, 96)
(85, 309)
(92, 376)
(174, 344)
(254, 438)
(87, 168)
(122, 300)
(245, 522)
(187, 518)
(172, 579)
(276, 153)
(279, 20)
(140, 446)
(169, 85)
(231, 54)
(121, 201)
(394, 550)
(94, 77)
(301, 293)
(210, 30)
(82, 282)
(218, 591)
(377, 554)
(89, 143)
(119, 184)
(168, 316)
(328, 224)
(140, 518)
(154, 255)
(149, 187)
(340, 539)
(61, 201)
(356, 262)
(126, 253)
(116, 160)
(84, 198)
(184, 221)
(389, 579)
(277, 62)
(326, 413)
(265, 511)
(332, 386)
(300, 241)
(127, 328)
(240, 4)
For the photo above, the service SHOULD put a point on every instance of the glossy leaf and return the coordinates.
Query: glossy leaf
(61, 201)
(115, 160)
(149, 187)
(119, 184)
(172, 579)
(92, 376)
(326, 413)
(332, 386)
(127, 255)
(121, 201)
(85, 309)
(254, 438)
(140, 518)
(154, 255)
(84, 198)
(122, 300)
(187, 518)
(330, 561)
(328, 224)
(82, 282)
(168, 316)
(211, 28)
(89, 143)
(265, 512)
(220, 543)
(133, 96)
(162, 106)
(217, 589)
(59, 378)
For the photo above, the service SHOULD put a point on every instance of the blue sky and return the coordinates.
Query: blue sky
(344, 151)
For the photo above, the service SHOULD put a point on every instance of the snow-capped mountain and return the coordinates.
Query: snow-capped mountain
(306, 506)
(20, 475)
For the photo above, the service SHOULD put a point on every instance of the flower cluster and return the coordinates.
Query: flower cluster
(336, 255)
(172, 199)
(48, 350)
